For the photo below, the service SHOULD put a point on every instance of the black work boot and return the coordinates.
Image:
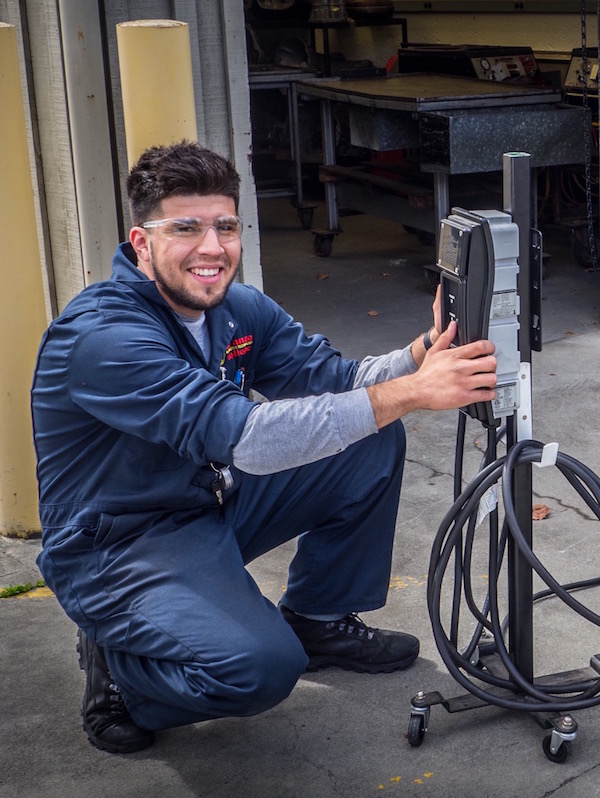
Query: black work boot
(351, 644)
(106, 720)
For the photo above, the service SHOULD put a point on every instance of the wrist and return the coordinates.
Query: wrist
(393, 399)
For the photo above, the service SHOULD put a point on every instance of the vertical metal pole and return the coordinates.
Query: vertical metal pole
(517, 202)
(327, 127)
(441, 201)
(292, 95)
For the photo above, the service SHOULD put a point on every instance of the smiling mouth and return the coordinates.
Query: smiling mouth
(212, 271)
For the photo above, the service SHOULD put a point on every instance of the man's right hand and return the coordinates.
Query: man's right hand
(447, 379)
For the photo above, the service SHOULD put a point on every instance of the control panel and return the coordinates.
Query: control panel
(579, 70)
(505, 67)
(478, 262)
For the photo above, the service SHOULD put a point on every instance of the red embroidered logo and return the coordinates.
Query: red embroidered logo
(238, 347)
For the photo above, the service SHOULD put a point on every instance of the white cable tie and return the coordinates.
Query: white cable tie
(487, 503)
(549, 454)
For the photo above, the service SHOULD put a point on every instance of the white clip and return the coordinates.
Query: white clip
(549, 453)
(524, 412)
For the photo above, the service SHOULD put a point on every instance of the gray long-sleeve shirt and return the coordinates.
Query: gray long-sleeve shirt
(289, 433)
(292, 432)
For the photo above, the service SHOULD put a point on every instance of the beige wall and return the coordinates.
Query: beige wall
(545, 33)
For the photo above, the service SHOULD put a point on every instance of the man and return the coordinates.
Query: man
(160, 477)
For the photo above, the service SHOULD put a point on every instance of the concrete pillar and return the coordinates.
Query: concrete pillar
(156, 83)
(22, 306)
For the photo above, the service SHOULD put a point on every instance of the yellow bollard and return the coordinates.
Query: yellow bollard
(22, 305)
(157, 86)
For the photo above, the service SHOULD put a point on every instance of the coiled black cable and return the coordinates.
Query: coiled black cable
(452, 539)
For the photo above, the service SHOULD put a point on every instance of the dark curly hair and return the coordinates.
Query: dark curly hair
(178, 170)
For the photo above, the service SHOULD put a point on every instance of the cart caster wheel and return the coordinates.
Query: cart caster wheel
(306, 217)
(416, 729)
(322, 245)
(560, 755)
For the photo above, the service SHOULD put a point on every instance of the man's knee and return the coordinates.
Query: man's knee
(269, 677)
(255, 679)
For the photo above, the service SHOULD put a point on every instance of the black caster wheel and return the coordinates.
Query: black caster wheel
(306, 217)
(322, 245)
(416, 730)
(559, 756)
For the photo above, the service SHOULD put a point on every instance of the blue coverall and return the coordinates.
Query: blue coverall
(128, 418)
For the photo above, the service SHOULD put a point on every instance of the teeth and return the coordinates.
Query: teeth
(205, 272)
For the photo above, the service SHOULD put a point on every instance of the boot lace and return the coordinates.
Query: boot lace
(117, 705)
(352, 625)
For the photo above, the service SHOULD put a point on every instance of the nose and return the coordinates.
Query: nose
(209, 241)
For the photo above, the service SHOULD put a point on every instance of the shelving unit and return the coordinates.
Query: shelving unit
(358, 22)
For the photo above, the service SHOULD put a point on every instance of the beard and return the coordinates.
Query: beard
(183, 297)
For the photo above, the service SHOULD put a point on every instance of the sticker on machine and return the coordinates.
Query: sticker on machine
(507, 399)
(504, 303)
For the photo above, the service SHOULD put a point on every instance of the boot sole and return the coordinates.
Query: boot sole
(129, 748)
(317, 663)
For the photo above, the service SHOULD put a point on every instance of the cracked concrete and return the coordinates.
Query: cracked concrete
(340, 733)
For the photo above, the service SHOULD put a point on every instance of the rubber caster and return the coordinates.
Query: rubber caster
(322, 245)
(306, 217)
(560, 755)
(416, 729)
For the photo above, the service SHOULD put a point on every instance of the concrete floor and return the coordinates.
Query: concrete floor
(342, 734)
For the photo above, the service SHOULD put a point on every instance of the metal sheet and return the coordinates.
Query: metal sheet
(375, 130)
(272, 76)
(461, 142)
(427, 91)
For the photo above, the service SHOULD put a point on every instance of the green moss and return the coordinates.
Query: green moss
(14, 590)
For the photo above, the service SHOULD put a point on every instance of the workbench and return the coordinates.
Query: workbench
(456, 125)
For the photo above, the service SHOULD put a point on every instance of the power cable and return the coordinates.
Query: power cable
(451, 539)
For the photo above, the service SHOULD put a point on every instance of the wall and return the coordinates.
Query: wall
(544, 33)
(71, 89)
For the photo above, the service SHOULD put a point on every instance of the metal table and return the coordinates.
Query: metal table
(460, 125)
(269, 77)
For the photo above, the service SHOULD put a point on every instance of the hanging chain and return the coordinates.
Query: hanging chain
(587, 139)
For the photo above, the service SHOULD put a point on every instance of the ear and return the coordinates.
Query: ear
(138, 238)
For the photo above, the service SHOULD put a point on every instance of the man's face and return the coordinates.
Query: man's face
(192, 274)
